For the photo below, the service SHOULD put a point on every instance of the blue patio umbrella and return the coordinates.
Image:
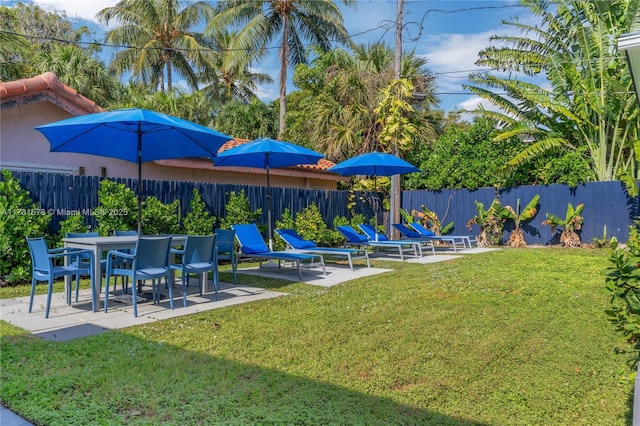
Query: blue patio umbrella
(266, 154)
(373, 164)
(134, 135)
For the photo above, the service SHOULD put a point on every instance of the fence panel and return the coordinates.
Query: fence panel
(605, 203)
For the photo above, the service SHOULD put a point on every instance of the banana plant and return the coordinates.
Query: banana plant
(570, 224)
(430, 220)
(491, 222)
(516, 239)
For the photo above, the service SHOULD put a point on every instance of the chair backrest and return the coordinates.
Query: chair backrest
(152, 252)
(371, 232)
(351, 235)
(82, 235)
(421, 229)
(294, 239)
(225, 240)
(405, 230)
(198, 248)
(125, 233)
(39, 254)
(249, 238)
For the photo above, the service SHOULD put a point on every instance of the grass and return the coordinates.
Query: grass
(511, 337)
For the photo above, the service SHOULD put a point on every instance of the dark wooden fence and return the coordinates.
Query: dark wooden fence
(606, 203)
(62, 195)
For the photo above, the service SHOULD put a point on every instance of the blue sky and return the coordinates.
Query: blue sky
(450, 33)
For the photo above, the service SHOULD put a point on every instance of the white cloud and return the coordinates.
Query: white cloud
(84, 9)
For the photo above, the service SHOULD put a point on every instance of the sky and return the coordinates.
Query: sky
(449, 33)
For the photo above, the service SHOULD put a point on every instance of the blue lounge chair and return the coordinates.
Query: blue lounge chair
(374, 235)
(252, 245)
(454, 240)
(298, 244)
(353, 238)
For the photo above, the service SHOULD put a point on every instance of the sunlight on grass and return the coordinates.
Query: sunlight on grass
(509, 337)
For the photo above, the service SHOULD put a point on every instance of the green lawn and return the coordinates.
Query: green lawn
(514, 337)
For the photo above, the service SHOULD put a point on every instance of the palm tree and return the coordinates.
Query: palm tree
(231, 79)
(296, 21)
(344, 90)
(590, 105)
(160, 39)
(76, 68)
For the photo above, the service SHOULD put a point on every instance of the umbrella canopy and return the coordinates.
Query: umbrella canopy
(133, 135)
(373, 164)
(267, 153)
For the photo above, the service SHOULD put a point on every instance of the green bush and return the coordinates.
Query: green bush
(117, 208)
(20, 217)
(310, 225)
(198, 221)
(285, 222)
(74, 223)
(238, 211)
(159, 218)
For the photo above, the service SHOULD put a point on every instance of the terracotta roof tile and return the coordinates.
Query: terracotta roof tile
(45, 87)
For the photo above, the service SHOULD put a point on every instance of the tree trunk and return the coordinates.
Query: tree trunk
(284, 63)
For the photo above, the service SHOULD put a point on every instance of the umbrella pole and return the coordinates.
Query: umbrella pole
(139, 179)
(269, 208)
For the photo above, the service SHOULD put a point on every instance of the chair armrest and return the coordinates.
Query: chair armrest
(177, 251)
(56, 253)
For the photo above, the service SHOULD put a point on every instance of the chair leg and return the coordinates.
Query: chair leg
(167, 279)
(106, 291)
(185, 280)
(49, 292)
(33, 291)
(77, 287)
(134, 296)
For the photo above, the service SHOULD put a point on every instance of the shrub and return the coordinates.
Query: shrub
(117, 208)
(285, 222)
(310, 225)
(238, 211)
(74, 223)
(159, 218)
(20, 217)
(198, 221)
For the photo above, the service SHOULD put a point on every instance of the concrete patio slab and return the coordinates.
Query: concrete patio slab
(313, 274)
(78, 320)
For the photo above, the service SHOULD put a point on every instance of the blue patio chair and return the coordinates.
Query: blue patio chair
(454, 240)
(149, 261)
(353, 238)
(298, 244)
(252, 245)
(225, 248)
(125, 279)
(43, 268)
(198, 257)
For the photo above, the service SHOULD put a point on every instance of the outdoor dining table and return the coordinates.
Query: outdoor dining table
(101, 244)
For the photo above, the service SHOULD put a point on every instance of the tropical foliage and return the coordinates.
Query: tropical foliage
(491, 222)
(342, 94)
(161, 39)
(295, 22)
(571, 223)
(33, 44)
(590, 106)
(516, 239)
